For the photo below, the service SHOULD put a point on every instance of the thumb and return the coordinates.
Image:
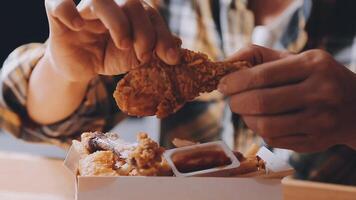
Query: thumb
(63, 16)
(257, 55)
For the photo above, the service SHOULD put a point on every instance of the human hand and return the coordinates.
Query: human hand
(304, 102)
(102, 37)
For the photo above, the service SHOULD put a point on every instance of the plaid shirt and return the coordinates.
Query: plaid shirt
(193, 21)
(196, 23)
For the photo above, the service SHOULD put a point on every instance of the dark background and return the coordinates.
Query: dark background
(22, 22)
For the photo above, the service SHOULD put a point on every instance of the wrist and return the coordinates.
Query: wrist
(46, 70)
(66, 71)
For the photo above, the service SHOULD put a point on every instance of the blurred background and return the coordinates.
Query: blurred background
(28, 24)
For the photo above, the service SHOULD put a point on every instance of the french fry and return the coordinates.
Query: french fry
(249, 165)
(252, 150)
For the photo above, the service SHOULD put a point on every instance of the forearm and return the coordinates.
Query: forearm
(51, 97)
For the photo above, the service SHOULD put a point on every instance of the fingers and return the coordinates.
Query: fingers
(115, 20)
(132, 24)
(257, 55)
(63, 15)
(166, 46)
(306, 130)
(270, 100)
(95, 26)
(143, 32)
(298, 142)
(270, 74)
(271, 126)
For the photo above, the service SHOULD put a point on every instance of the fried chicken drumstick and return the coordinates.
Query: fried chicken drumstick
(159, 89)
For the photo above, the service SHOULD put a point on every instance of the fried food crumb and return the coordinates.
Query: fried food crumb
(99, 163)
(105, 154)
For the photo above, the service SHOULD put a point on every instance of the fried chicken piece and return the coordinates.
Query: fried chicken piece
(99, 163)
(105, 154)
(159, 89)
(147, 157)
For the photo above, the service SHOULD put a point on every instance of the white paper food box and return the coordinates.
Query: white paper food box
(174, 188)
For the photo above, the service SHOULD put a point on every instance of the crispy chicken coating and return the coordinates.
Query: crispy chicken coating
(105, 154)
(159, 89)
(99, 163)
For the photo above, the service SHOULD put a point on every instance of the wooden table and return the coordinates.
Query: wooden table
(26, 177)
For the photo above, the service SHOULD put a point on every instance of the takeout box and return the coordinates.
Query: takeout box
(180, 188)
(299, 189)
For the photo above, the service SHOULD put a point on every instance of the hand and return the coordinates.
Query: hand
(304, 102)
(102, 37)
